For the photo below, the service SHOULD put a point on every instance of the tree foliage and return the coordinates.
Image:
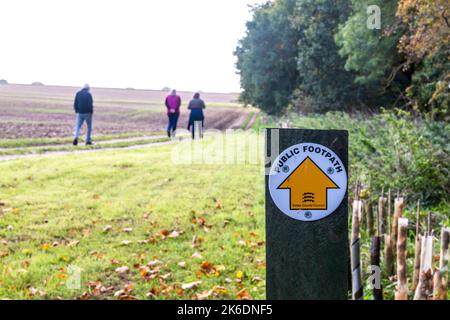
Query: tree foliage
(267, 57)
(320, 55)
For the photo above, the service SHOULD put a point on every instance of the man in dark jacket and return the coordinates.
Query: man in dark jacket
(84, 108)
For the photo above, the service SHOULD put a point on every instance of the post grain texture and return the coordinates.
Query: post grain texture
(307, 260)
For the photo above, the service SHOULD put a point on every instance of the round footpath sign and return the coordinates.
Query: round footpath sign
(308, 182)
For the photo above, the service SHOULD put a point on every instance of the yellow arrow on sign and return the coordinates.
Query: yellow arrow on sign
(309, 186)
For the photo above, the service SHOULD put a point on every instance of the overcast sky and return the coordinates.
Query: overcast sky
(184, 44)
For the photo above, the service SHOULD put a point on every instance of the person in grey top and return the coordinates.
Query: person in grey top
(196, 105)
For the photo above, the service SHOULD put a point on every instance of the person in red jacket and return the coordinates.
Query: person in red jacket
(173, 104)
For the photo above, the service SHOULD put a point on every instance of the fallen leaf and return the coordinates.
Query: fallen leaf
(175, 234)
(220, 290)
(107, 229)
(123, 270)
(45, 246)
(256, 279)
(34, 292)
(164, 233)
(243, 295)
(9, 228)
(73, 243)
(182, 264)
(205, 295)
(126, 242)
(192, 285)
(154, 263)
(166, 276)
(127, 230)
(197, 255)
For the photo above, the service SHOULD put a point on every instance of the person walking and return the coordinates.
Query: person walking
(84, 109)
(173, 104)
(196, 105)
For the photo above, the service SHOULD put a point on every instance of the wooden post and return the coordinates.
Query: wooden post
(370, 218)
(417, 250)
(441, 275)
(305, 260)
(402, 280)
(357, 287)
(398, 213)
(424, 289)
(375, 262)
(388, 244)
(381, 212)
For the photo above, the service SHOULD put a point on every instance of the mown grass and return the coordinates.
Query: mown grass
(51, 203)
(35, 142)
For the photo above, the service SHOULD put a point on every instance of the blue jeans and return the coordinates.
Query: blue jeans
(81, 118)
(173, 122)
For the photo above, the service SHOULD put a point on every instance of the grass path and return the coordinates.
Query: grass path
(134, 223)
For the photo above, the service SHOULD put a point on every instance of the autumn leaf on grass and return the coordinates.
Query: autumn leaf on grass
(208, 267)
(175, 234)
(243, 295)
(125, 294)
(4, 254)
(97, 289)
(204, 295)
(182, 264)
(197, 255)
(45, 246)
(123, 270)
(164, 233)
(35, 292)
(127, 230)
(107, 229)
(192, 285)
(73, 243)
(220, 290)
(260, 264)
(165, 276)
(126, 243)
(144, 272)
(197, 240)
(154, 263)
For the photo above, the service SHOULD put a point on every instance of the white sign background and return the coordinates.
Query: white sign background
(278, 175)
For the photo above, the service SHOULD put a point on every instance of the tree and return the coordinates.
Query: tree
(267, 55)
(372, 52)
(323, 77)
(426, 45)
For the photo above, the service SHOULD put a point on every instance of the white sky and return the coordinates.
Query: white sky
(184, 44)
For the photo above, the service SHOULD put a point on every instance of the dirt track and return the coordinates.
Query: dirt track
(37, 112)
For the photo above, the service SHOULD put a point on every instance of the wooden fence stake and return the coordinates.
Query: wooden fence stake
(357, 287)
(375, 262)
(402, 280)
(424, 289)
(398, 213)
(441, 275)
(417, 250)
(381, 212)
